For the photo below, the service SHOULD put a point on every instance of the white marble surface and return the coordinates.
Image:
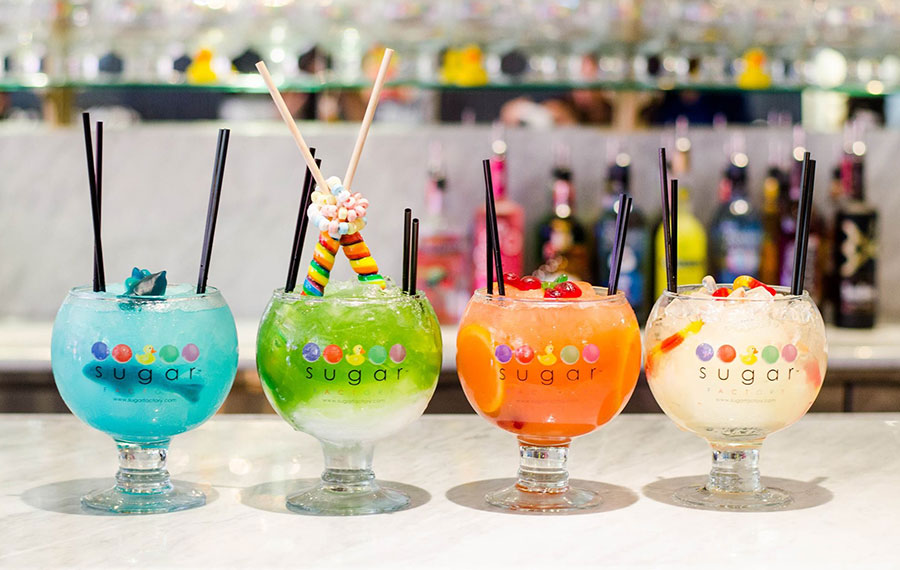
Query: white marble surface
(842, 467)
(25, 346)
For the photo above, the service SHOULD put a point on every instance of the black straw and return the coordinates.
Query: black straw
(407, 235)
(300, 228)
(212, 211)
(493, 234)
(99, 276)
(619, 245)
(98, 173)
(673, 223)
(413, 257)
(667, 221)
(804, 212)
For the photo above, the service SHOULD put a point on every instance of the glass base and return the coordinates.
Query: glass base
(516, 499)
(115, 500)
(762, 500)
(329, 499)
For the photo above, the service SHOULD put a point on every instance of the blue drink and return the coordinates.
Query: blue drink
(144, 369)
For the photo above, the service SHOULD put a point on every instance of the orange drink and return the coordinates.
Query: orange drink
(547, 370)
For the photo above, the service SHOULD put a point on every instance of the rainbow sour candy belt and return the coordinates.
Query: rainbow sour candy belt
(339, 216)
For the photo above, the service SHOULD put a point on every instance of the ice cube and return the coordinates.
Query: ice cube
(709, 284)
(759, 293)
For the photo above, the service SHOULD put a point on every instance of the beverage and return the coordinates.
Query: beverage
(355, 365)
(144, 369)
(733, 364)
(441, 251)
(736, 233)
(634, 276)
(562, 246)
(855, 251)
(547, 370)
(510, 222)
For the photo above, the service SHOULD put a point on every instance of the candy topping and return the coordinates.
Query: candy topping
(338, 212)
(142, 283)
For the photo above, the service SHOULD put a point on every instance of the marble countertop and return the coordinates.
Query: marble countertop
(842, 469)
(25, 346)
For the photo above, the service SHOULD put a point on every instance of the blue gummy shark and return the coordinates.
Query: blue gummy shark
(142, 283)
(128, 378)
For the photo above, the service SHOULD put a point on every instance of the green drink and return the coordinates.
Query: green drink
(349, 368)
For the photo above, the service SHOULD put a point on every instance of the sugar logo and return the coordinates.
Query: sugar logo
(127, 370)
(373, 362)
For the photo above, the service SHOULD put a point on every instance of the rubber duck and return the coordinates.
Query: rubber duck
(357, 357)
(200, 70)
(147, 357)
(754, 75)
(749, 357)
(547, 359)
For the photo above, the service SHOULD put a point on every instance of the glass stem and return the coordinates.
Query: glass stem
(348, 467)
(735, 470)
(142, 468)
(542, 469)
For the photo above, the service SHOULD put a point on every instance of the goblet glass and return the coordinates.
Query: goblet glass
(349, 369)
(547, 370)
(734, 371)
(144, 369)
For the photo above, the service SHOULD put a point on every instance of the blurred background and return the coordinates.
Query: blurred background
(569, 98)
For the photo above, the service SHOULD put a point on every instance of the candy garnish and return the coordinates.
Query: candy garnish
(669, 343)
(721, 292)
(529, 282)
(338, 212)
(142, 283)
(751, 283)
(564, 290)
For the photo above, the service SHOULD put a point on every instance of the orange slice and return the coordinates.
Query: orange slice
(475, 365)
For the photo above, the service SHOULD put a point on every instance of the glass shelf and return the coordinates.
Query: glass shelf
(253, 84)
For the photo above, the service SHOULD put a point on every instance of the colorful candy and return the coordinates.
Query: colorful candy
(751, 283)
(669, 343)
(339, 215)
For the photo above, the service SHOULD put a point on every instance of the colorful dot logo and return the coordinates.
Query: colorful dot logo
(332, 354)
(100, 351)
(398, 353)
(190, 352)
(727, 353)
(377, 355)
(524, 354)
(503, 353)
(122, 353)
(168, 353)
(590, 353)
(569, 354)
(311, 352)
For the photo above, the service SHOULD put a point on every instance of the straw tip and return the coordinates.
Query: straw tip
(261, 67)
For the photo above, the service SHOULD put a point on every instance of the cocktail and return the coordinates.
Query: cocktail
(734, 363)
(144, 360)
(547, 368)
(349, 368)
(144, 370)
(348, 363)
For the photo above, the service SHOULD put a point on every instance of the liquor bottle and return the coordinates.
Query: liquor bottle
(736, 231)
(817, 250)
(634, 275)
(441, 249)
(691, 243)
(510, 221)
(855, 249)
(770, 260)
(562, 243)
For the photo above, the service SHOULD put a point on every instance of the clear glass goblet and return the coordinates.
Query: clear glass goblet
(733, 371)
(144, 369)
